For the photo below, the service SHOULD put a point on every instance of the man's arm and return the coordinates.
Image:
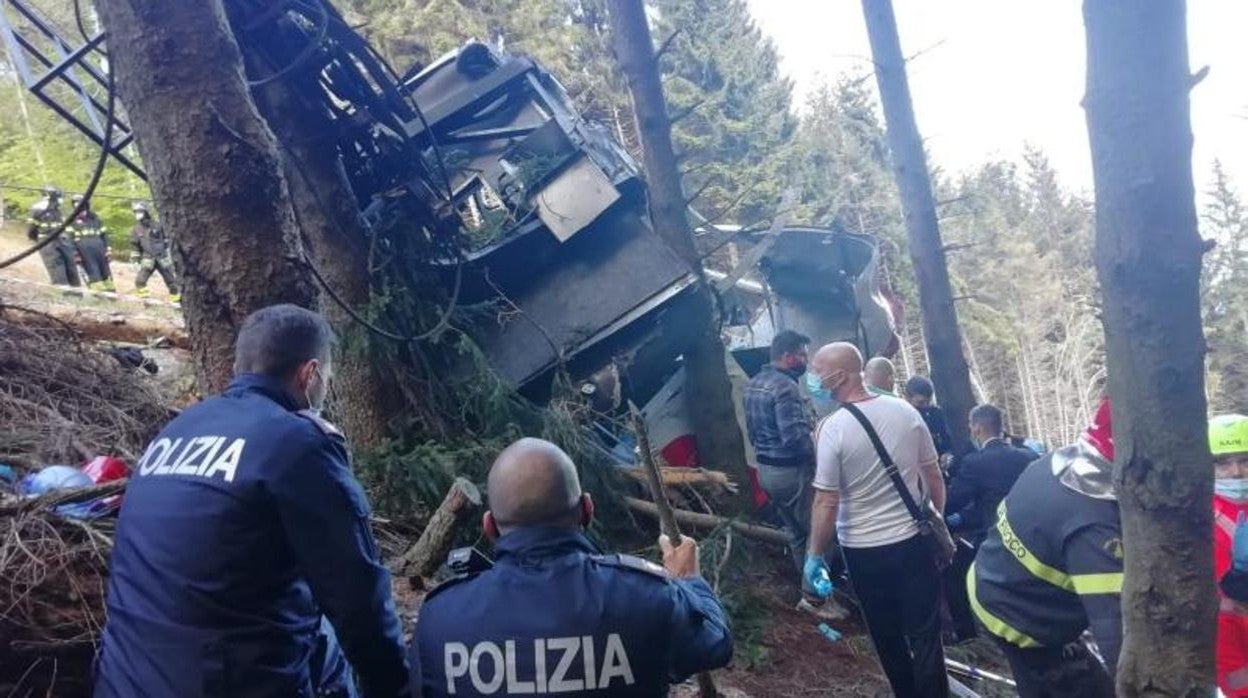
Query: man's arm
(325, 516)
(698, 625)
(793, 422)
(1094, 562)
(963, 487)
(929, 464)
(822, 521)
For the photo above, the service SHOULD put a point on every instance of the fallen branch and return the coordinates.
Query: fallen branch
(55, 498)
(710, 521)
(681, 477)
(424, 558)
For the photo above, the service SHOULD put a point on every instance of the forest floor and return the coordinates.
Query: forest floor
(779, 650)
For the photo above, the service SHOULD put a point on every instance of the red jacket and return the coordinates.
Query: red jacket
(1232, 652)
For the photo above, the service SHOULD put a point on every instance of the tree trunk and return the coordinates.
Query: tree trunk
(328, 214)
(1148, 259)
(213, 167)
(424, 558)
(948, 365)
(708, 391)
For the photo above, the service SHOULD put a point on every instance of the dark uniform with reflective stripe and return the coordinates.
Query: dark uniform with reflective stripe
(1050, 569)
(91, 238)
(243, 525)
(58, 255)
(554, 617)
(150, 249)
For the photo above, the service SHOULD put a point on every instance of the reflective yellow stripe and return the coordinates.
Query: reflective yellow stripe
(1106, 583)
(1025, 557)
(995, 625)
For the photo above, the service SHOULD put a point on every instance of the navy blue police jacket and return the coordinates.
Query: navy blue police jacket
(242, 524)
(554, 617)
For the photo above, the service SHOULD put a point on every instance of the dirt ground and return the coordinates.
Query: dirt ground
(13, 240)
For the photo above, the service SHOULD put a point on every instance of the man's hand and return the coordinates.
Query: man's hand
(681, 561)
(1239, 543)
(815, 571)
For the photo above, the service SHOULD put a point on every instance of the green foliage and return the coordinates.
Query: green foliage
(1224, 291)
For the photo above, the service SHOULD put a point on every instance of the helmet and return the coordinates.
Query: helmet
(52, 192)
(1228, 433)
(139, 207)
(1100, 433)
(76, 199)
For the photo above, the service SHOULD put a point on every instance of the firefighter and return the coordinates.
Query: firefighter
(150, 250)
(58, 255)
(1051, 569)
(90, 237)
(1228, 441)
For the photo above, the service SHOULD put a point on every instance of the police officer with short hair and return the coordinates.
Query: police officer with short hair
(90, 237)
(58, 255)
(553, 616)
(242, 527)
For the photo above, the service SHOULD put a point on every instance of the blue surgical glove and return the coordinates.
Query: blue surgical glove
(954, 520)
(815, 571)
(1239, 544)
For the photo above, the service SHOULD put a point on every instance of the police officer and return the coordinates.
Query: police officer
(150, 250)
(58, 255)
(242, 525)
(553, 616)
(1051, 568)
(91, 239)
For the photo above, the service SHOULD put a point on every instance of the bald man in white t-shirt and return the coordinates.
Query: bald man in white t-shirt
(891, 567)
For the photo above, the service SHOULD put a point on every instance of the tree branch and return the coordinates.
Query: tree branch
(667, 43)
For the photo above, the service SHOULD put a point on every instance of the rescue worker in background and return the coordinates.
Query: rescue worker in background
(242, 530)
(91, 239)
(553, 616)
(779, 422)
(880, 376)
(1051, 568)
(58, 255)
(979, 482)
(150, 250)
(920, 393)
(1228, 441)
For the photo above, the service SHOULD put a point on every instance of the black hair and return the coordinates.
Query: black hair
(276, 340)
(920, 385)
(787, 342)
(990, 417)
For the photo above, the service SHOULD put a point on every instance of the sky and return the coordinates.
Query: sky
(994, 75)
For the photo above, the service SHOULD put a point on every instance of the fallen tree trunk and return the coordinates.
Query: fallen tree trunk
(427, 555)
(707, 521)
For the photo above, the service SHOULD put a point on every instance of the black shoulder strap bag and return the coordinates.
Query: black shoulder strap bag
(931, 524)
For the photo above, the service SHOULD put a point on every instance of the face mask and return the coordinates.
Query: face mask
(814, 385)
(1233, 488)
(315, 406)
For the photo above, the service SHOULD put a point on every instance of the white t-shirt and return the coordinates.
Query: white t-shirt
(871, 511)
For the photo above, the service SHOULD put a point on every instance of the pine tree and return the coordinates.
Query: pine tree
(1225, 295)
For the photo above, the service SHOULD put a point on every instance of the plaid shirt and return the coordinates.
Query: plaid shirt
(778, 419)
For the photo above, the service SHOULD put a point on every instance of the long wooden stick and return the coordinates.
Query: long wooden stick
(767, 534)
(667, 519)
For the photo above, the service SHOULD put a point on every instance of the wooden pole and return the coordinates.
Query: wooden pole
(667, 519)
(767, 534)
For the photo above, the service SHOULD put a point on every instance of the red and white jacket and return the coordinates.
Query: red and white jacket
(1232, 650)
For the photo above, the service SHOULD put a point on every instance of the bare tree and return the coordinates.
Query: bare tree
(708, 391)
(1148, 259)
(948, 364)
(213, 166)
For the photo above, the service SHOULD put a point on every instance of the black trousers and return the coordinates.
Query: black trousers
(58, 259)
(164, 266)
(898, 587)
(94, 253)
(1058, 672)
(956, 598)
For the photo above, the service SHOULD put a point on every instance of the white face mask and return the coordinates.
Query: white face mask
(1232, 488)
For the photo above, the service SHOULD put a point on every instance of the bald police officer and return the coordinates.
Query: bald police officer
(553, 616)
(242, 527)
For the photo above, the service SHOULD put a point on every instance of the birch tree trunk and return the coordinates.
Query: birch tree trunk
(1148, 258)
(949, 369)
(213, 166)
(708, 391)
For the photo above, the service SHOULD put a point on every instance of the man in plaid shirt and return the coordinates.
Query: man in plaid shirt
(779, 420)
